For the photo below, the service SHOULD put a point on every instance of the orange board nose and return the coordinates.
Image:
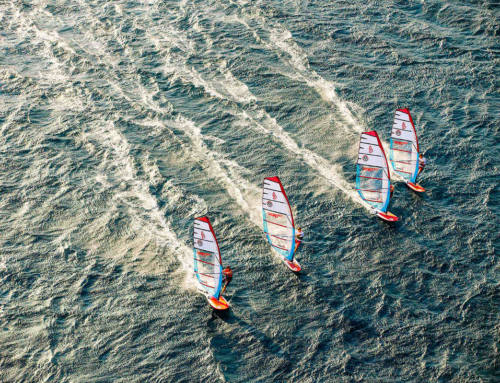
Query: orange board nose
(218, 304)
(389, 217)
(415, 187)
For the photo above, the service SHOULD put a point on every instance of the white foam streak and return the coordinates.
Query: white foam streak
(227, 87)
(325, 89)
(237, 89)
(281, 39)
(149, 217)
(233, 89)
(223, 84)
(245, 194)
(107, 135)
(329, 171)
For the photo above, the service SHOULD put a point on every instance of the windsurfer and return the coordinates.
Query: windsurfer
(421, 163)
(298, 238)
(227, 276)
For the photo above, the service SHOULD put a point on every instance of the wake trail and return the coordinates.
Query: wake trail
(246, 195)
(121, 161)
(225, 171)
(261, 120)
(241, 191)
(281, 39)
(231, 88)
(316, 162)
(111, 137)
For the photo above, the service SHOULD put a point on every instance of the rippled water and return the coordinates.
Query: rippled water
(121, 121)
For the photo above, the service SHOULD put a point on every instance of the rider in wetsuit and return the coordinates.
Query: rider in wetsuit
(298, 238)
(227, 276)
(421, 164)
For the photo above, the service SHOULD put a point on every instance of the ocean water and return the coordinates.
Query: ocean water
(121, 121)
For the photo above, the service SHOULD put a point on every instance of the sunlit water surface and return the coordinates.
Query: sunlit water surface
(121, 121)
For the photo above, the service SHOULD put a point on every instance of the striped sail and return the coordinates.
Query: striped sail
(207, 259)
(372, 172)
(277, 218)
(404, 146)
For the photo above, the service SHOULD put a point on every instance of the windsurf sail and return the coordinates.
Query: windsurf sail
(207, 258)
(373, 179)
(278, 218)
(404, 151)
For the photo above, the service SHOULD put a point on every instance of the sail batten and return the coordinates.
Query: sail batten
(277, 218)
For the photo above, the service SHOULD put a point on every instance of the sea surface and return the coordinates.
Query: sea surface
(121, 121)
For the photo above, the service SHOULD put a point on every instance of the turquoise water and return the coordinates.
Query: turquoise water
(121, 121)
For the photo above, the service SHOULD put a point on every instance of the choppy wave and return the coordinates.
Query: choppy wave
(122, 121)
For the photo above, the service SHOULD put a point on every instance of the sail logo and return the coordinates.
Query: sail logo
(365, 158)
(404, 126)
(200, 242)
(275, 215)
(398, 132)
(274, 195)
(202, 235)
(269, 204)
(370, 149)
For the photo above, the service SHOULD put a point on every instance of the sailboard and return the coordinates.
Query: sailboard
(404, 152)
(278, 223)
(373, 180)
(208, 263)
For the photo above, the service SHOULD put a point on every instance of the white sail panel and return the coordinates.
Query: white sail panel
(404, 146)
(372, 172)
(207, 258)
(370, 153)
(277, 217)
